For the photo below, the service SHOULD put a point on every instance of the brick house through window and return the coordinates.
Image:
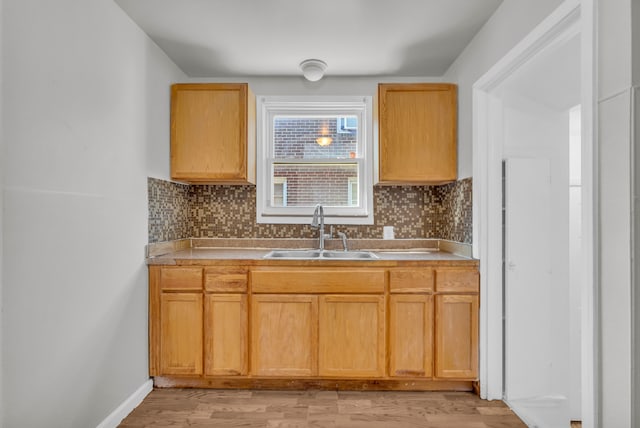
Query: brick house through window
(314, 153)
(310, 184)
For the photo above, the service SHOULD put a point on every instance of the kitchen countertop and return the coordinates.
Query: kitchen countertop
(252, 251)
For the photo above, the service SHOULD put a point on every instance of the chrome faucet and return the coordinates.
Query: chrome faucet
(318, 223)
(343, 236)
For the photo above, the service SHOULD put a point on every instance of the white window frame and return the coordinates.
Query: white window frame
(270, 106)
(283, 182)
(350, 183)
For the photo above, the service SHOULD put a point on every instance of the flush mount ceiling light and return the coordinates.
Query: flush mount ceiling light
(313, 69)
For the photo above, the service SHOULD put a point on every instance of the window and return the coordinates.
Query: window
(352, 191)
(312, 151)
(280, 191)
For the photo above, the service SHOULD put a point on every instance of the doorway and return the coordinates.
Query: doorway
(530, 216)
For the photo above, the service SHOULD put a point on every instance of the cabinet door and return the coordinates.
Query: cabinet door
(225, 334)
(181, 334)
(457, 336)
(209, 125)
(411, 335)
(351, 336)
(284, 335)
(418, 124)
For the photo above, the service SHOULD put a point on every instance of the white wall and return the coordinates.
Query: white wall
(85, 114)
(1, 218)
(508, 25)
(635, 53)
(636, 283)
(615, 100)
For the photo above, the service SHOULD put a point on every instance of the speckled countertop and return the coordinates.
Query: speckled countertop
(252, 251)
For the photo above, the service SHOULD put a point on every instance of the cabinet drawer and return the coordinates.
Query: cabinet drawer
(181, 278)
(457, 280)
(318, 281)
(411, 280)
(225, 279)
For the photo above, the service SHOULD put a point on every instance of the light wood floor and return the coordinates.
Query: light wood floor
(333, 409)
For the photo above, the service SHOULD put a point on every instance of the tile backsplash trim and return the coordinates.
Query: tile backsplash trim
(211, 211)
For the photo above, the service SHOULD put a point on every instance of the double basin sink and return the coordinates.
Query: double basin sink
(320, 255)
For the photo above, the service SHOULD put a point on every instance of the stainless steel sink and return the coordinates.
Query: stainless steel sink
(349, 255)
(293, 254)
(320, 255)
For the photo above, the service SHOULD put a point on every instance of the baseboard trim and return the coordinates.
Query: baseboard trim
(127, 406)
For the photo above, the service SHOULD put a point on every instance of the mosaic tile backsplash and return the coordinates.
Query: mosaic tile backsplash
(168, 210)
(213, 211)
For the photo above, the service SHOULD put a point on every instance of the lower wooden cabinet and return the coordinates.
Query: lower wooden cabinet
(351, 336)
(225, 334)
(396, 327)
(181, 334)
(411, 335)
(284, 335)
(457, 336)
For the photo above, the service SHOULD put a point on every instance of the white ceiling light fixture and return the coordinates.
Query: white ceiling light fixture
(313, 69)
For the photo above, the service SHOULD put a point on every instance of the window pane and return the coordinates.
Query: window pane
(279, 192)
(302, 137)
(311, 184)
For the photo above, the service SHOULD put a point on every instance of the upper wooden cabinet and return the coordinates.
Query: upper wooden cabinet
(417, 133)
(213, 133)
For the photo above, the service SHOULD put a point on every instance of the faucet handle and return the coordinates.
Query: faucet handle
(343, 236)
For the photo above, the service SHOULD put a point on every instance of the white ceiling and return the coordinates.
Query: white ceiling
(234, 38)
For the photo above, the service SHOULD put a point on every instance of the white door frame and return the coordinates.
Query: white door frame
(487, 200)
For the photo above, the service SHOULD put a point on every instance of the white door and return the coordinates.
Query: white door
(533, 387)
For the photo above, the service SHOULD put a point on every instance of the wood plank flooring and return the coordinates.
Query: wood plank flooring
(332, 409)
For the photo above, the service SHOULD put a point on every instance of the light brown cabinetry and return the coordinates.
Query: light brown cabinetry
(225, 334)
(417, 133)
(181, 334)
(351, 336)
(314, 326)
(411, 325)
(457, 336)
(284, 335)
(212, 133)
(457, 323)
(195, 329)
(177, 303)
(226, 318)
(411, 335)
(315, 331)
